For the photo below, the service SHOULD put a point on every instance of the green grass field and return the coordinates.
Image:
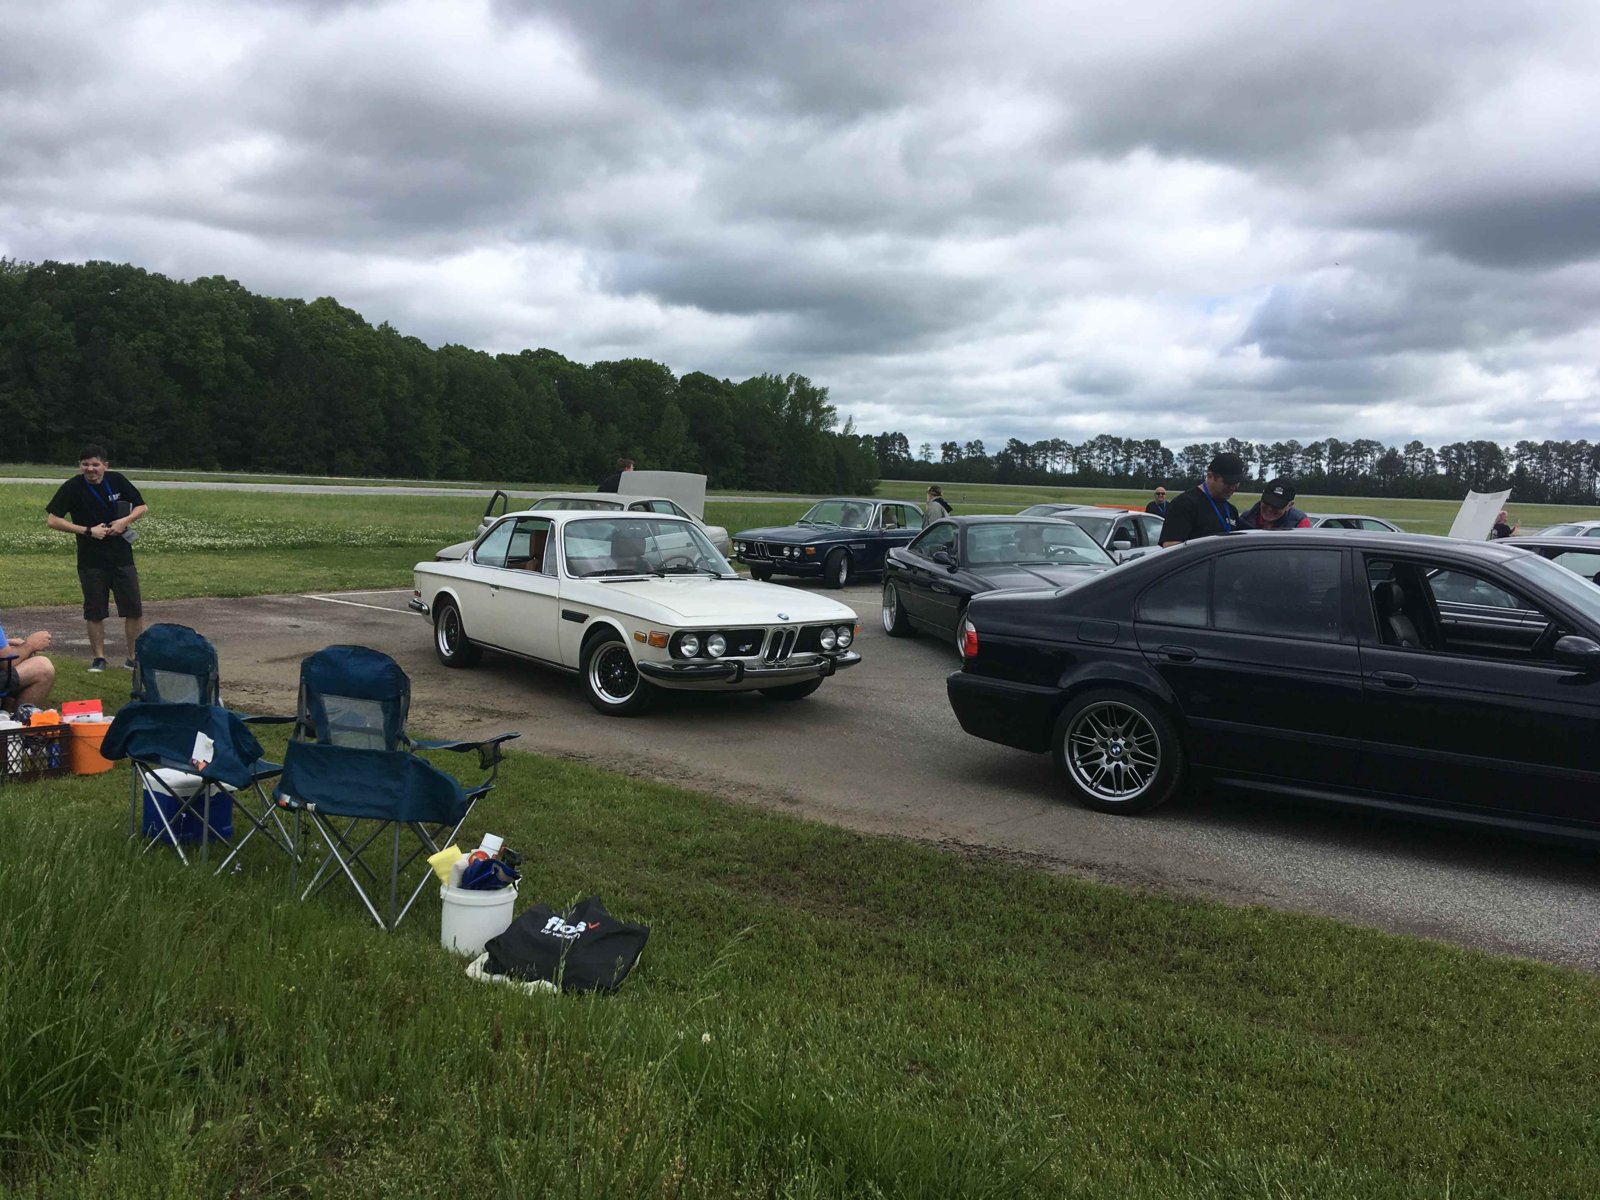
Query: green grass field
(818, 1013)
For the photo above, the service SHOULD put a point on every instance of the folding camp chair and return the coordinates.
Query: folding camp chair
(160, 738)
(353, 772)
(174, 664)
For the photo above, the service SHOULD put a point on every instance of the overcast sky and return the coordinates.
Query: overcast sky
(1007, 219)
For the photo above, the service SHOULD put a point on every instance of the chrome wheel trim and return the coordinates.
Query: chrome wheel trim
(1112, 751)
(891, 601)
(612, 675)
(842, 575)
(448, 631)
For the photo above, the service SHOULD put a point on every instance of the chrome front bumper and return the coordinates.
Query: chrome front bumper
(417, 606)
(740, 673)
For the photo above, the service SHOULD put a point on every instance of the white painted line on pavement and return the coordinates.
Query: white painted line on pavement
(399, 612)
(376, 592)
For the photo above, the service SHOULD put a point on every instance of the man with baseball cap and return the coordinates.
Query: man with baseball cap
(1275, 509)
(1204, 510)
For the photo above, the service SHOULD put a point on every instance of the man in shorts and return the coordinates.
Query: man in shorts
(98, 506)
(25, 673)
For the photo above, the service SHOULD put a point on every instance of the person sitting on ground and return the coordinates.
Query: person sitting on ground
(1275, 509)
(26, 675)
(1502, 527)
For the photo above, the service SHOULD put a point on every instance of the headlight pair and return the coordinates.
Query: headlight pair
(837, 639)
(715, 644)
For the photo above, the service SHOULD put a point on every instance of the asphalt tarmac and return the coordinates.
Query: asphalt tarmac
(877, 749)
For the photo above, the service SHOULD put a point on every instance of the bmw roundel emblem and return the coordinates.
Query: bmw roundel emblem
(783, 616)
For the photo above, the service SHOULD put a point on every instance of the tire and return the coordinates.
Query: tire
(610, 680)
(836, 570)
(793, 691)
(1117, 751)
(761, 571)
(450, 641)
(895, 621)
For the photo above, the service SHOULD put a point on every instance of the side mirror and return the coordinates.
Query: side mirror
(1122, 544)
(942, 557)
(1579, 652)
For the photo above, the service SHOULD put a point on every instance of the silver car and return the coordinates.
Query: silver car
(1352, 521)
(1121, 534)
(587, 501)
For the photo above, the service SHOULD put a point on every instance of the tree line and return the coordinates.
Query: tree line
(1557, 472)
(208, 375)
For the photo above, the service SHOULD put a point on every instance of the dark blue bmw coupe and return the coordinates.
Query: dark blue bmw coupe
(838, 539)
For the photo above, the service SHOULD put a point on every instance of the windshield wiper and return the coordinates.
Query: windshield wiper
(614, 572)
(712, 571)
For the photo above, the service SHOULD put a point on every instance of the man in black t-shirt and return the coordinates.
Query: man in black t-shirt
(613, 481)
(98, 507)
(1204, 510)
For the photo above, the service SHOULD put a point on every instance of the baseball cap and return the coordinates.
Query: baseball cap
(1278, 494)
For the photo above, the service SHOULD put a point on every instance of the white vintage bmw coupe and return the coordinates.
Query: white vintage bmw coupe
(632, 603)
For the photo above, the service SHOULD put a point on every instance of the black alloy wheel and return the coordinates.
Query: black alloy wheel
(1117, 751)
(895, 621)
(836, 570)
(450, 641)
(611, 681)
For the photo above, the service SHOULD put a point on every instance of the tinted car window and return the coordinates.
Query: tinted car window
(1375, 524)
(1179, 599)
(1279, 593)
(492, 550)
(936, 537)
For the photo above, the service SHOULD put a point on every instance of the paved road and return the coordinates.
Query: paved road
(388, 489)
(878, 749)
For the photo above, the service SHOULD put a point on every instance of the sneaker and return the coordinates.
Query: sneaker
(128, 666)
(97, 664)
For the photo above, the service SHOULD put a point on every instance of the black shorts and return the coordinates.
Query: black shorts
(101, 583)
(10, 685)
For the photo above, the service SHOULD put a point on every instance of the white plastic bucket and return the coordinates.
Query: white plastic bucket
(468, 918)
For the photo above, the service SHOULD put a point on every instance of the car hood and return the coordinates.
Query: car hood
(1055, 575)
(794, 535)
(702, 599)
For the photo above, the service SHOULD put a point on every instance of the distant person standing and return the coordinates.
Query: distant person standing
(1159, 504)
(98, 506)
(936, 507)
(1275, 509)
(1502, 527)
(613, 481)
(1204, 511)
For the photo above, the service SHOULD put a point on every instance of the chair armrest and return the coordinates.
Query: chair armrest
(461, 746)
(265, 719)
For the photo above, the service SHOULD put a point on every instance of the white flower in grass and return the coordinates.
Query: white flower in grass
(705, 1039)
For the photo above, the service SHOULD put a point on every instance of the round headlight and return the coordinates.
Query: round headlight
(716, 645)
(689, 645)
(829, 639)
(846, 636)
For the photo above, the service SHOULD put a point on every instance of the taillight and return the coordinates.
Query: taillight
(969, 640)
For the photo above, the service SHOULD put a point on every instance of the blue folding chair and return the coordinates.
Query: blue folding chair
(174, 664)
(159, 736)
(354, 773)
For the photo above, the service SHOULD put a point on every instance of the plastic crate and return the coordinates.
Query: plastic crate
(37, 752)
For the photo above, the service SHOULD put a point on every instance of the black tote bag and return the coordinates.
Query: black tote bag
(584, 949)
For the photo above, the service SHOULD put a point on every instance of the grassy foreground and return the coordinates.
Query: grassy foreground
(818, 1013)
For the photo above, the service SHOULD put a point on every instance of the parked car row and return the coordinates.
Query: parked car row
(1350, 664)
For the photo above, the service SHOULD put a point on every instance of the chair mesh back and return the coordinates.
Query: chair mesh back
(174, 664)
(355, 697)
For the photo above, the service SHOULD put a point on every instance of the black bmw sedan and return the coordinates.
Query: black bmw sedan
(1420, 676)
(928, 584)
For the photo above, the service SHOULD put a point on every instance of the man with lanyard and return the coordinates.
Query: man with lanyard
(98, 506)
(1204, 510)
(1275, 509)
(1158, 506)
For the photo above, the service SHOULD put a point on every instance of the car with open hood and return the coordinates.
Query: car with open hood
(631, 603)
(838, 539)
(928, 584)
(589, 502)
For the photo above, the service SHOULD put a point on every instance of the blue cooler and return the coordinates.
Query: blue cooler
(219, 809)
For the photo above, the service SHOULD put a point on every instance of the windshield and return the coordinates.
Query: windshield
(598, 548)
(1095, 527)
(570, 504)
(1033, 543)
(842, 514)
(1574, 589)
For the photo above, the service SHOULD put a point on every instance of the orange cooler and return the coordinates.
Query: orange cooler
(83, 747)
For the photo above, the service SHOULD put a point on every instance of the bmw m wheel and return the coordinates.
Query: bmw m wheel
(1117, 752)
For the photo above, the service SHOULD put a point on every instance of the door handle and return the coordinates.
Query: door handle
(1398, 680)
(939, 587)
(1178, 654)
